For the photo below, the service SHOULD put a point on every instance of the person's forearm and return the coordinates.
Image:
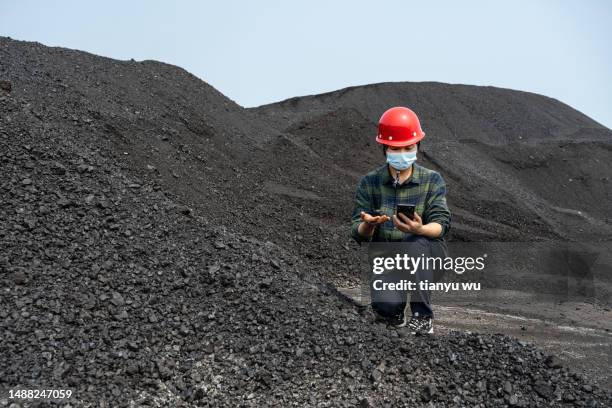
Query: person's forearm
(431, 230)
(366, 230)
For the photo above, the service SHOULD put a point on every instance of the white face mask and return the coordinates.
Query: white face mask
(401, 161)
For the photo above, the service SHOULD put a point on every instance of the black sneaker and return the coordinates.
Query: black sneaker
(421, 324)
(398, 321)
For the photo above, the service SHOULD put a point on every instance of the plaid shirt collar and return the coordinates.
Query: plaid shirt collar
(415, 178)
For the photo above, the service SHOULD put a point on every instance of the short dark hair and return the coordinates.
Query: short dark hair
(385, 147)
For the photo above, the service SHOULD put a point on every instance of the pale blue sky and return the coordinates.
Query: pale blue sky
(257, 52)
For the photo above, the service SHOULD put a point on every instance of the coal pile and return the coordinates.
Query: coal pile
(158, 250)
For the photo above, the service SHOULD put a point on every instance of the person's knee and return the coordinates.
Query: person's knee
(416, 245)
(435, 247)
(416, 238)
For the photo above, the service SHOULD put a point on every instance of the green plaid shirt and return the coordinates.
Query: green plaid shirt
(376, 190)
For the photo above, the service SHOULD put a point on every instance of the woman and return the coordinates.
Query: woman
(401, 181)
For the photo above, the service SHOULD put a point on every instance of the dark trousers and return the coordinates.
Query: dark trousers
(392, 303)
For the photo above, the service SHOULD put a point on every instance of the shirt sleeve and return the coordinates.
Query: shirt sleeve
(363, 200)
(436, 209)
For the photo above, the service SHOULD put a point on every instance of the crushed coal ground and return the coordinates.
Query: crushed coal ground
(162, 246)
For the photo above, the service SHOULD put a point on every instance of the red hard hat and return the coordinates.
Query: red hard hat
(399, 126)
